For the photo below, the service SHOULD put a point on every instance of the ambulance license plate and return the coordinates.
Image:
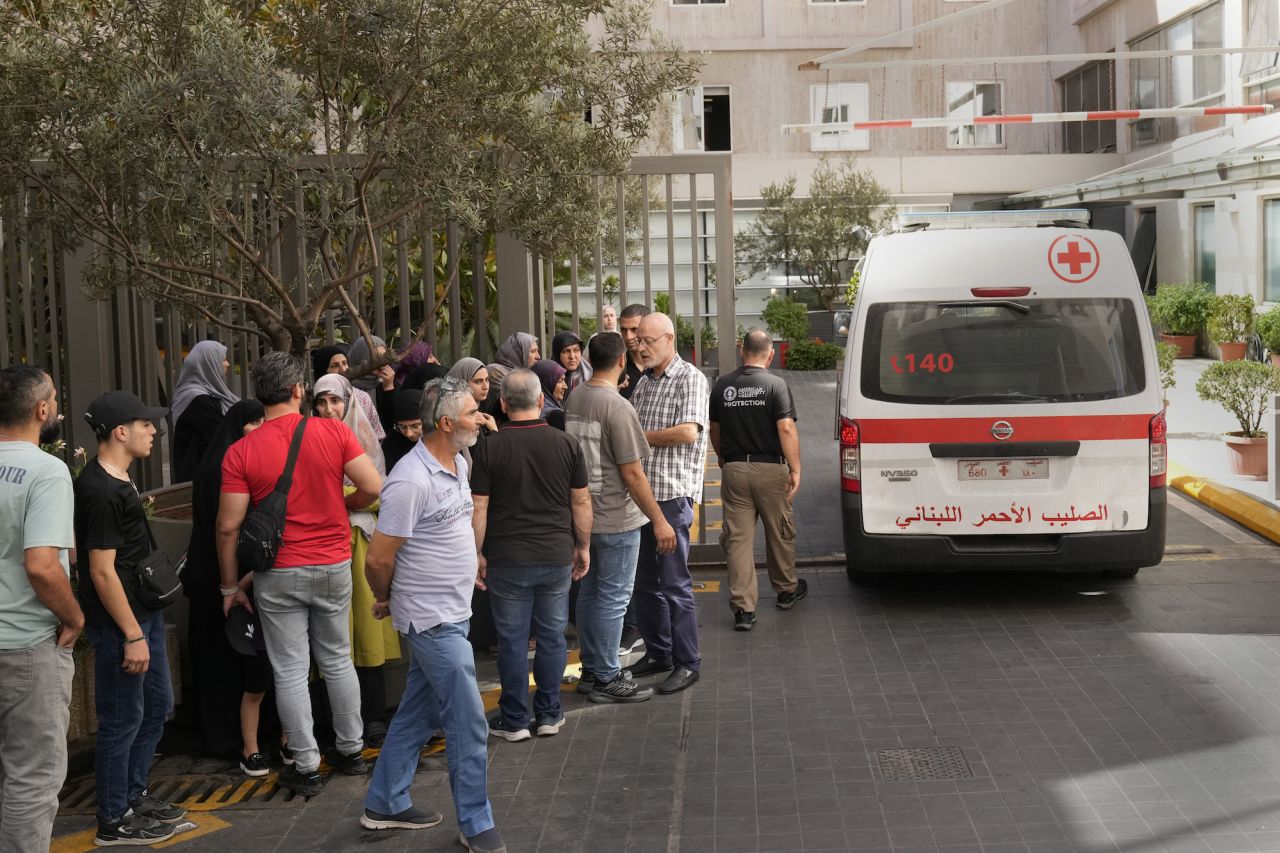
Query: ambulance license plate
(1004, 469)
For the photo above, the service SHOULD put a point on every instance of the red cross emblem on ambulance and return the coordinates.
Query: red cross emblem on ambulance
(1073, 258)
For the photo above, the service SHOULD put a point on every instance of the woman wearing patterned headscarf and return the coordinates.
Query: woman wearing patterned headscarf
(333, 359)
(200, 399)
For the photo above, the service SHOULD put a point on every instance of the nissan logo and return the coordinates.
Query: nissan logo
(1001, 430)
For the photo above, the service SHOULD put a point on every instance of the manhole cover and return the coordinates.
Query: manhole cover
(917, 765)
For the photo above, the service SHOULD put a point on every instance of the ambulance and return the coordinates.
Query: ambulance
(1000, 407)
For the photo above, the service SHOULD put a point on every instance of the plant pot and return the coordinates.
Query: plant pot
(1247, 456)
(1232, 350)
(782, 354)
(1186, 344)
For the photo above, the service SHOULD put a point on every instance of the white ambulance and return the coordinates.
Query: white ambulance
(1000, 406)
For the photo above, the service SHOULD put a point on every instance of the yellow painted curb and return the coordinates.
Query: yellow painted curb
(1240, 507)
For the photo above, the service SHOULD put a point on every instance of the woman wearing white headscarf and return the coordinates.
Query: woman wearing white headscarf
(200, 399)
(373, 642)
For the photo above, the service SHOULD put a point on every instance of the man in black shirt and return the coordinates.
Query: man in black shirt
(133, 694)
(753, 430)
(532, 521)
(629, 328)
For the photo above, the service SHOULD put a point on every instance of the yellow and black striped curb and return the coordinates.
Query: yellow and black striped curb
(1241, 507)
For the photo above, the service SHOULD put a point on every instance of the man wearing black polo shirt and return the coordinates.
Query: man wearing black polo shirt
(753, 430)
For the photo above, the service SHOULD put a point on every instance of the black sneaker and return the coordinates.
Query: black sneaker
(132, 830)
(787, 600)
(411, 818)
(498, 727)
(148, 806)
(286, 755)
(621, 690)
(550, 726)
(586, 682)
(375, 733)
(350, 765)
(489, 841)
(648, 666)
(631, 642)
(744, 620)
(254, 765)
(302, 784)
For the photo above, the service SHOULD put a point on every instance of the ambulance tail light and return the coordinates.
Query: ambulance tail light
(1159, 444)
(1000, 292)
(850, 456)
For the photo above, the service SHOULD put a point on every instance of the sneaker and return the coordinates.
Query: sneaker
(350, 765)
(156, 809)
(489, 841)
(550, 726)
(787, 600)
(302, 784)
(631, 642)
(588, 681)
(375, 733)
(621, 690)
(255, 765)
(744, 620)
(411, 818)
(132, 830)
(648, 666)
(286, 755)
(498, 727)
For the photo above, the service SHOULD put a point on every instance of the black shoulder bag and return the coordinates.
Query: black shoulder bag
(263, 528)
(154, 583)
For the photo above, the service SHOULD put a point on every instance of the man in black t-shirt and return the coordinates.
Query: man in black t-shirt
(532, 522)
(131, 669)
(753, 430)
(629, 328)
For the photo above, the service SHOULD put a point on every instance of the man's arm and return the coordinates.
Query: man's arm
(364, 475)
(580, 503)
(44, 571)
(102, 571)
(638, 487)
(380, 568)
(790, 438)
(232, 508)
(479, 525)
(675, 436)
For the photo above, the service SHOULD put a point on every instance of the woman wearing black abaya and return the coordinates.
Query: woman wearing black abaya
(227, 690)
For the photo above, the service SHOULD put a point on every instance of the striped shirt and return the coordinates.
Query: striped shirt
(679, 396)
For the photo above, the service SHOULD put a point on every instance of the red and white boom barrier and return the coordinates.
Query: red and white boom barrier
(1029, 118)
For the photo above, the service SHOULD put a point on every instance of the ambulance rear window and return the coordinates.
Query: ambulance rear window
(1020, 351)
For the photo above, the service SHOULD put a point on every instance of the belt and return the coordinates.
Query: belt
(756, 457)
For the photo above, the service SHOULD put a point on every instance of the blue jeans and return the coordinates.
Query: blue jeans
(131, 714)
(440, 692)
(524, 598)
(664, 591)
(602, 600)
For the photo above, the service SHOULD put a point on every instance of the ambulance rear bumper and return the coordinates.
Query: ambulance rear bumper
(1067, 552)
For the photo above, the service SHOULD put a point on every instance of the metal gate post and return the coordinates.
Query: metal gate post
(515, 295)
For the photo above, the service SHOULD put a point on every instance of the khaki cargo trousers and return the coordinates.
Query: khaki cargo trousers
(751, 490)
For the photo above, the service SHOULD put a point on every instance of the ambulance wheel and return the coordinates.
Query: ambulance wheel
(1120, 574)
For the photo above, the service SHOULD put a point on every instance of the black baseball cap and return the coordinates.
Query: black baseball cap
(114, 408)
(243, 631)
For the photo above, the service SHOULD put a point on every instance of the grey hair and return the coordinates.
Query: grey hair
(21, 389)
(450, 407)
(274, 376)
(521, 389)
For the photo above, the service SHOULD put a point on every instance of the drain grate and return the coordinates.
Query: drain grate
(197, 793)
(923, 765)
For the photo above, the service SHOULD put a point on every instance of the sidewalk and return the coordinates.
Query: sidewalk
(1198, 461)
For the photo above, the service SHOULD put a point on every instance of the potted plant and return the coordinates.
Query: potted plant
(1230, 322)
(787, 321)
(1244, 389)
(710, 341)
(1165, 356)
(1181, 311)
(1268, 328)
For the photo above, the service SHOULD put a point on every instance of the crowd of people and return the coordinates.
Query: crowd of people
(428, 512)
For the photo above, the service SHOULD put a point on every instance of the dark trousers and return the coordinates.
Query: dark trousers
(667, 616)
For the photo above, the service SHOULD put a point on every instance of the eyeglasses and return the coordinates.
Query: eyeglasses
(448, 385)
(409, 428)
(651, 341)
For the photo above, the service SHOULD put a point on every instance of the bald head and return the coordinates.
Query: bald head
(657, 341)
(756, 347)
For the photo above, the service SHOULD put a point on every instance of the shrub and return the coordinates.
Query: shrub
(1268, 326)
(1243, 388)
(1181, 309)
(1231, 318)
(813, 355)
(786, 319)
(1166, 354)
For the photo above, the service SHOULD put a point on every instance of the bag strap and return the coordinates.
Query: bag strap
(286, 477)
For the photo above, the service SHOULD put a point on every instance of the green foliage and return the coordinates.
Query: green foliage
(58, 448)
(710, 340)
(1181, 309)
(684, 329)
(851, 289)
(1243, 388)
(813, 355)
(816, 238)
(785, 319)
(1268, 326)
(1166, 355)
(1231, 318)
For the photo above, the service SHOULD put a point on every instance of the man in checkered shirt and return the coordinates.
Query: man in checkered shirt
(672, 401)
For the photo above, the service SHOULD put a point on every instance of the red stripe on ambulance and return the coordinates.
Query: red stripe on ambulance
(1061, 428)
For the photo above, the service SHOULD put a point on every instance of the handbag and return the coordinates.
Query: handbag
(262, 530)
(154, 583)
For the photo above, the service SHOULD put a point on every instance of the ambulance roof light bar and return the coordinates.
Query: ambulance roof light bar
(937, 221)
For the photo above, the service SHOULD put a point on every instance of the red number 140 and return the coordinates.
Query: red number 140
(927, 363)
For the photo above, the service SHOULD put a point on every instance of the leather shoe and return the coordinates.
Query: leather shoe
(681, 678)
(648, 666)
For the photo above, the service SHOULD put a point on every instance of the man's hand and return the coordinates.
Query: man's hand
(793, 485)
(386, 377)
(381, 609)
(67, 634)
(666, 536)
(581, 562)
(230, 601)
(482, 571)
(137, 657)
(487, 421)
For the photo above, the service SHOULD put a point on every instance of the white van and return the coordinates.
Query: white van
(1000, 406)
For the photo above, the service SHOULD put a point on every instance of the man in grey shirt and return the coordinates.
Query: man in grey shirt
(422, 568)
(615, 448)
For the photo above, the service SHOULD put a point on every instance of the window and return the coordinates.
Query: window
(1262, 27)
(1180, 80)
(1206, 255)
(968, 100)
(701, 120)
(1089, 89)
(698, 2)
(839, 103)
(1271, 250)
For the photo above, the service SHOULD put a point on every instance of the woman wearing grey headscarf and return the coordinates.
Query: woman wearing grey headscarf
(359, 355)
(520, 351)
(200, 399)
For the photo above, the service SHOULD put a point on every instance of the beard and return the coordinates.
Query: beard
(51, 430)
(459, 440)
